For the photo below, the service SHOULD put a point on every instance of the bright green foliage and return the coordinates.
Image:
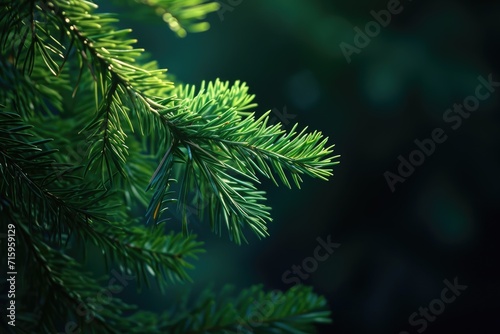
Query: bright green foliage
(96, 145)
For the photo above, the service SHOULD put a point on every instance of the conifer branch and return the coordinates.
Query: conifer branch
(222, 149)
(63, 212)
(252, 311)
(65, 290)
(180, 15)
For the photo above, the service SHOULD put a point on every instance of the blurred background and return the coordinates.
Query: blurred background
(397, 247)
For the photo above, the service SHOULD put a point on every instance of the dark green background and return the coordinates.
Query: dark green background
(396, 248)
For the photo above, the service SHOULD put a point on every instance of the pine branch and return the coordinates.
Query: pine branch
(27, 171)
(252, 311)
(30, 95)
(180, 15)
(261, 147)
(120, 87)
(220, 149)
(148, 253)
(64, 210)
(62, 290)
(57, 286)
(61, 293)
(17, 37)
